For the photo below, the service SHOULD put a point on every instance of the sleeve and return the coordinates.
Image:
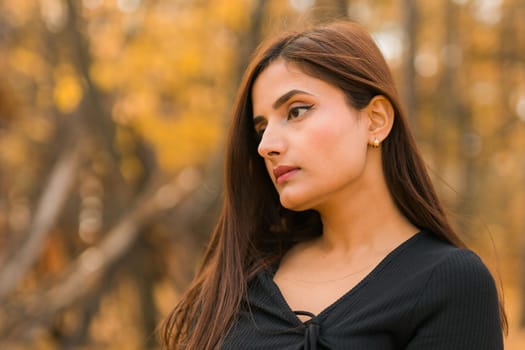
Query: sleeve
(459, 307)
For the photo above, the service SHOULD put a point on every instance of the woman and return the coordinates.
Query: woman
(331, 234)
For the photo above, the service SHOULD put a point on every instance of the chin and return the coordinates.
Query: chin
(295, 204)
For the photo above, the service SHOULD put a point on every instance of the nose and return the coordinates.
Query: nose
(272, 143)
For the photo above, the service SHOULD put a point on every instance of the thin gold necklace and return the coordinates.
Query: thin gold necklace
(353, 273)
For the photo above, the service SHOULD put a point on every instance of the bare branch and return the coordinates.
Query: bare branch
(47, 212)
(93, 262)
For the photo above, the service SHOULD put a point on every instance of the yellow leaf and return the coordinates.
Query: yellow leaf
(26, 62)
(38, 128)
(68, 90)
(104, 75)
(13, 150)
(131, 169)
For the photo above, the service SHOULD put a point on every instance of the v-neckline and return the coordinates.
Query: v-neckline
(365, 280)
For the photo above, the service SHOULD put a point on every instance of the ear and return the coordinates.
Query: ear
(380, 114)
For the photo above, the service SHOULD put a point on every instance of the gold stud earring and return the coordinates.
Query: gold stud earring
(376, 142)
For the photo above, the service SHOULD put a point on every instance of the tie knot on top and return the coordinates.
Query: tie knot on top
(312, 330)
(312, 333)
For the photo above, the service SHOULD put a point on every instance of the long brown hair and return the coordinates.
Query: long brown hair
(254, 229)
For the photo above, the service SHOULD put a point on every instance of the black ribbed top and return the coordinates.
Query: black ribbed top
(426, 294)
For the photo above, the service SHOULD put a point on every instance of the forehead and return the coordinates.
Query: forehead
(281, 77)
(282, 70)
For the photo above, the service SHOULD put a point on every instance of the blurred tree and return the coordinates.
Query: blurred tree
(410, 24)
(112, 116)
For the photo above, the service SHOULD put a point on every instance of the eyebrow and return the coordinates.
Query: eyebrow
(280, 101)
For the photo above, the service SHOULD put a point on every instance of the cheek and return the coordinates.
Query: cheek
(338, 143)
(269, 168)
(338, 125)
(328, 138)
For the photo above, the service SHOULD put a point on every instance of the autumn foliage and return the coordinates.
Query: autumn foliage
(113, 115)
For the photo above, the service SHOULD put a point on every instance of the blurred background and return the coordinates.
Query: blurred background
(113, 116)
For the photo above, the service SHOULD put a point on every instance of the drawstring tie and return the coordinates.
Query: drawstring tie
(312, 328)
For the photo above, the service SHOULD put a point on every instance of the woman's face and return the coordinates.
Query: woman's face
(313, 142)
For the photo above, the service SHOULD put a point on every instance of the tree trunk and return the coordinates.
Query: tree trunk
(409, 87)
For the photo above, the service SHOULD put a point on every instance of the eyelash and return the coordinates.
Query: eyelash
(259, 133)
(297, 108)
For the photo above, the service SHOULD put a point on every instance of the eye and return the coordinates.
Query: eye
(298, 111)
(259, 125)
(259, 133)
(258, 130)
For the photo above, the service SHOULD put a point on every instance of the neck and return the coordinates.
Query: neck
(366, 219)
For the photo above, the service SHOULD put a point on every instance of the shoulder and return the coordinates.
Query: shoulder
(458, 305)
(443, 260)
(466, 264)
(459, 284)
(440, 275)
(461, 271)
(433, 270)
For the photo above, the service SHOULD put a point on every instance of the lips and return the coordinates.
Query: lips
(283, 172)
